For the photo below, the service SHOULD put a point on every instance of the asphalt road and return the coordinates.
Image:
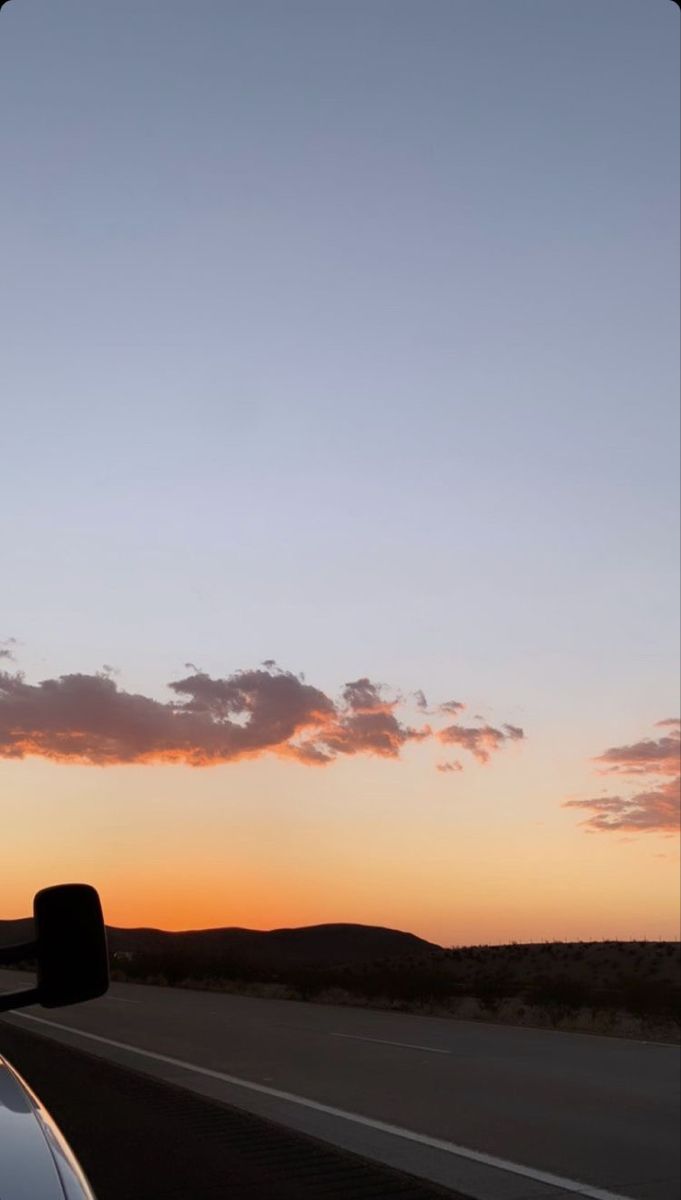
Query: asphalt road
(497, 1113)
(139, 1138)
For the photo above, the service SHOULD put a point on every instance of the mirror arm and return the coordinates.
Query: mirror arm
(10, 1000)
(15, 954)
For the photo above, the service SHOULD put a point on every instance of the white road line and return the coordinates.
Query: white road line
(355, 1037)
(120, 999)
(487, 1160)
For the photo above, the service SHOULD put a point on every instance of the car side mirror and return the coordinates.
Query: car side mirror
(73, 961)
(69, 947)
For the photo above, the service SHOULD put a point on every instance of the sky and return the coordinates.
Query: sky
(339, 357)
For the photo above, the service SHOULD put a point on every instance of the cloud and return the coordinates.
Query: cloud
(651, 756)
(654, 810)
(448, 767)
(655, 806)
(514, 732)
(480, 740)
(363, 696)
(453, 707)
(6, 649)
(90, 719)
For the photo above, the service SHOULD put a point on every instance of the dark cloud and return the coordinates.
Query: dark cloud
(480, 740)
(363, 696)
(420, 698)
(654, 808)
(448, 767)
(90, 719)
(453, 707)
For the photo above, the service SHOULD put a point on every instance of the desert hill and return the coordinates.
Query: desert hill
(308, 946)
(632, 988)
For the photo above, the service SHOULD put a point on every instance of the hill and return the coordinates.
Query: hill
(610, 987)
(14, 932)
(632, 988)
(315, 946)
(311, 945)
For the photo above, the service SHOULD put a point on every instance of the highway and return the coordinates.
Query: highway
(494, 1112)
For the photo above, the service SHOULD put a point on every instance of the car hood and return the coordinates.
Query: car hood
(36, 1162)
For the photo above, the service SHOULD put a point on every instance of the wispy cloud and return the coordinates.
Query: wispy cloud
(654, 810)
(651, 808)
(480, 740)
(90, 719)
(652, 756)
(447, 768)
(7, 649)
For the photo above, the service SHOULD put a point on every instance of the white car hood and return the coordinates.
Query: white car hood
(36, 1162)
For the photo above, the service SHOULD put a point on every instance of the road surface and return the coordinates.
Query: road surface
(495, 1112)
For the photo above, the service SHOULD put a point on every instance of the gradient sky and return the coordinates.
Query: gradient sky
(345, 334)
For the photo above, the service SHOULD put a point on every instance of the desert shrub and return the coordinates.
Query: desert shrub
(560, 994)
(554, 979)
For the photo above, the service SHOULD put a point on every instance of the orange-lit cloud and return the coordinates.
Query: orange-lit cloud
(89, 719)
(447, 768)
(656, 807)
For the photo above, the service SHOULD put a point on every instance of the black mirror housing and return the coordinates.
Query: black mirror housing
(71, 949)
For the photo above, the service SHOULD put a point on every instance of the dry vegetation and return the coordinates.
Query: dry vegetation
(622, 988)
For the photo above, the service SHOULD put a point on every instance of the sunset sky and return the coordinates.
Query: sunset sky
(339, 358)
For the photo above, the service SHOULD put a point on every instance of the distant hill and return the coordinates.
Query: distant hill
(631, 988)
(311, 945)
(308, 946)
(14, 932)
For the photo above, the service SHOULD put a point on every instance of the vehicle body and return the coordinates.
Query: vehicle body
(70, 952)
(36, 1162)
